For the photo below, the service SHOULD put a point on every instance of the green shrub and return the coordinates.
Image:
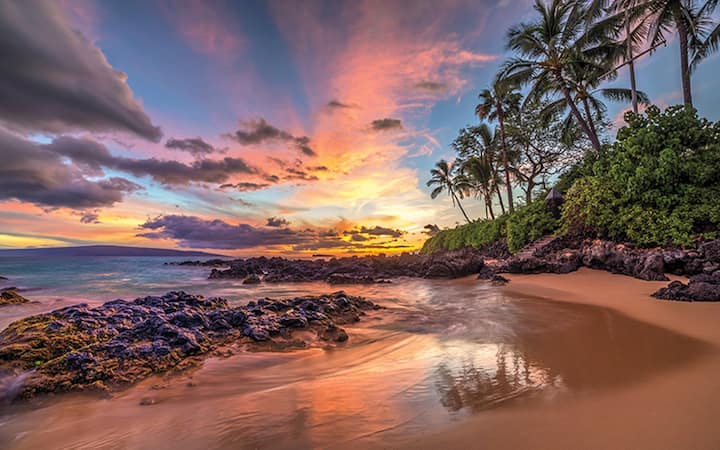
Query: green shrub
(523, 226)
(529, 223)
(658, 185)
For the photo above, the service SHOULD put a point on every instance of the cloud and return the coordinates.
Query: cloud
(258, 131)
(365, 232)
(432, 86)
(245, 186)
(195, 146)
(386, 124)
(381, 231)
(206, 28)
(196, 232)
(95, 156)
(31, 173)
(277, 222)
(52, 79)
(337, 104)
(89, 217)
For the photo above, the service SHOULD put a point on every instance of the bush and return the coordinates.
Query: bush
(658, 185)
(529, 224)
(519, 228)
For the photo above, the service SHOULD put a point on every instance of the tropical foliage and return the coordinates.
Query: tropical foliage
(658, 185)
(543, 121)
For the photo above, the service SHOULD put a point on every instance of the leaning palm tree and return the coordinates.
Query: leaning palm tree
(495, 104)
(442, 178)
(554, 44)
(697, 33)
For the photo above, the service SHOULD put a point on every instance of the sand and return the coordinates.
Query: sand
(676, 409)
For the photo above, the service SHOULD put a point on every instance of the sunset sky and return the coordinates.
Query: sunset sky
(250, 127)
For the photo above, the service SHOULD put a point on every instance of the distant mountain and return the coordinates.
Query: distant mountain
(101, 250)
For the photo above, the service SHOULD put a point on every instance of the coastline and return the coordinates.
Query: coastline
(676, 409)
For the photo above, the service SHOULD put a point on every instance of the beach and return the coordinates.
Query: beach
(673, 410)
(582, 360)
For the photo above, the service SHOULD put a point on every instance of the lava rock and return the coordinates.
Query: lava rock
(120, 342)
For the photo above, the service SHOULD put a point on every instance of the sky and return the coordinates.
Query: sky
(254, 127)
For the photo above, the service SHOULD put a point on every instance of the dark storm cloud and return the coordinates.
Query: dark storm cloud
(258, 131)
(386, 124)
(432, 86)
(195, 146)
(52, 79)
(31, 173)
(277, 222)
(95, 156)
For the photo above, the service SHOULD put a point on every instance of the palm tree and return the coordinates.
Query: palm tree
(494, 104)
(443, 179)
(694, 26)
(476, 176)
(584, 81)
(489, 143)
(553, 44)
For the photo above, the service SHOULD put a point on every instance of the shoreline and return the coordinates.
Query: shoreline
(675, 409)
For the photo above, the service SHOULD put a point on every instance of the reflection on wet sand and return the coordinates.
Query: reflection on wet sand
(452, 350)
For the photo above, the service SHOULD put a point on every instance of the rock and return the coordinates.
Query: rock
(79, 347)
(710, 267)
(251, 279)
(354, 270)
(711, 251)
(652, 268)
(9, 296)
(700, 288)
(499, 280)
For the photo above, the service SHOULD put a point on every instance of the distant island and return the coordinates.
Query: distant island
(101, 250)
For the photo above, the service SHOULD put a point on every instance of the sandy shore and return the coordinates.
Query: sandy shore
(676, 409)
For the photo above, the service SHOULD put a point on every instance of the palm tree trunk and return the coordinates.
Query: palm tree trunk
(460, 206)
(631, 63)
(588, 114)
(500, 200)
(684, 67)
(501, 120)
(576, 112)
(488, 202)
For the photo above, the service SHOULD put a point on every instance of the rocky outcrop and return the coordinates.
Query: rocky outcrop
(9, 296)
(646, 264)
(369, 269)
(700, 288)
(120, 342)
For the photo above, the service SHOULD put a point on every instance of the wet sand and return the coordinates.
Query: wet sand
(675, 409)
(585, 360)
